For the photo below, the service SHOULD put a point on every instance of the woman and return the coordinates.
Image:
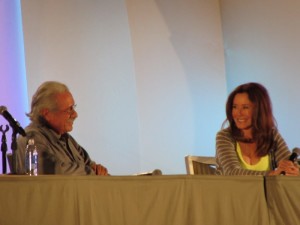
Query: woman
(251, 144)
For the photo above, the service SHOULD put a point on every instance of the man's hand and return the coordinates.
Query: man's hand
(100, 170)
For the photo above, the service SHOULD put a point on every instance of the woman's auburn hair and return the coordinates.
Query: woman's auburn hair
(263, 121)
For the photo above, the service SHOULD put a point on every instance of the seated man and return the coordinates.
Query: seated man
(52, 115)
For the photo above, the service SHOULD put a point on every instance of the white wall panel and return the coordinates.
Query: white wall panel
(148, 76)
(261, 39)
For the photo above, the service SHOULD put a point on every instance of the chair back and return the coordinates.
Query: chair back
(200, 165)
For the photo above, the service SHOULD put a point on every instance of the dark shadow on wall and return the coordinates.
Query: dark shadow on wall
(197, 44)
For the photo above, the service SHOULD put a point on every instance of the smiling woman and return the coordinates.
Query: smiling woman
(251, 144)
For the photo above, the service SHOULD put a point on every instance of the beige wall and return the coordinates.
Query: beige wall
(179, 66)
(261, 41)
(148, 76)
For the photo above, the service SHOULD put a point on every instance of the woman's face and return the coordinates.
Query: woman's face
(242, 110)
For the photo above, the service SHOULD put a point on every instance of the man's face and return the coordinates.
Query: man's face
(61, 119)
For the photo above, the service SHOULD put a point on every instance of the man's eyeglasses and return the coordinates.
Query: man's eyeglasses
(70, 110)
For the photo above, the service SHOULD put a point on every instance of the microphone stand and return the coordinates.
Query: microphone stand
(14, 148)
(4, 148)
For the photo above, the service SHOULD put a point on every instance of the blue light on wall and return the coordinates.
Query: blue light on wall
(13, 83)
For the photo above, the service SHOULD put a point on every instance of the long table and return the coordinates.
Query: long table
(283, 197)
(145, 200)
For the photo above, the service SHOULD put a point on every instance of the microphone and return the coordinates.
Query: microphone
(155, 172)
(12, 122)
(293, 157)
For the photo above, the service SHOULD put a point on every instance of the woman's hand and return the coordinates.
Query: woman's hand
(287, 168)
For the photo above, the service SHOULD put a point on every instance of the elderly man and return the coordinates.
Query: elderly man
(52, 115)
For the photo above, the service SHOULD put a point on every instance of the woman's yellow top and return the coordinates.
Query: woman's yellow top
(262, 165)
